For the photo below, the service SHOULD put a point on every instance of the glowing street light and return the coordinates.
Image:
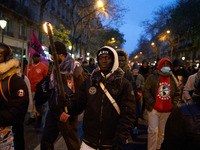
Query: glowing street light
(70, 47)
(168, 31)
(100, 4)
(3, 24)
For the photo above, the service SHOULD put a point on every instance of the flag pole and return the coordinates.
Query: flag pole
(61, 91)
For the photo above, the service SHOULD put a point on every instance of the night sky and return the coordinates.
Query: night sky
(139, 10)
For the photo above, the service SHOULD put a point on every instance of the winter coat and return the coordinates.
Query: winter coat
(150, 88)
(189, 87)
(68, 69)
(145, 72)
(13, 110)
(182, 130)
(103, 127)
(127, 72)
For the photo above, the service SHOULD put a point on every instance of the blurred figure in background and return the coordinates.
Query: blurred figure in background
(139, 79)
(181, 75)
(35, 72)
(182, 131)
(189, 88)
(91, 65)
(145, 71)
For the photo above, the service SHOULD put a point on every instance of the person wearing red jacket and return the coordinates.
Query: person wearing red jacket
(161, 92)
(35, 72)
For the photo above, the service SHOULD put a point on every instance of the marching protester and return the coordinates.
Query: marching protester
(35, 72)
(56, 119)
(181, 74)
(139, 79)
(145, 71)
(109, 104)
(182, 127)
(91, 65)
(189, 88)
(161, 92)
(14, 101)
(123, 64)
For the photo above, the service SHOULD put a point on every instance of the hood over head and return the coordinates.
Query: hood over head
(109, 50)
(121, 52)
(160, 63)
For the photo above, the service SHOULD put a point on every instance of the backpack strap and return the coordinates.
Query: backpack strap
(5, 87)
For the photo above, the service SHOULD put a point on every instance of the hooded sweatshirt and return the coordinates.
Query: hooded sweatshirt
(163, 95)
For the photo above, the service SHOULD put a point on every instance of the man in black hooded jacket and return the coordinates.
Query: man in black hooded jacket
(103, 127)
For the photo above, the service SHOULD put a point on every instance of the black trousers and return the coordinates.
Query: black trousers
(18, 129)
(69, 131)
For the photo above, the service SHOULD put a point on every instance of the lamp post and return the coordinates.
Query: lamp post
(156, 49)
(3, 24)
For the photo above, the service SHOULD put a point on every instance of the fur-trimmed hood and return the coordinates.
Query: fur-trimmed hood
(121, 51)
(9, 67)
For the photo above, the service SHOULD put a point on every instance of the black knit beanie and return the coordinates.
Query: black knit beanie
(60, 48)
(105, 51)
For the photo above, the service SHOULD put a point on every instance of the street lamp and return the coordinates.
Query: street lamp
(168, 31)
(70, 47)
(154, 45)
(3, 24)
(100, 4)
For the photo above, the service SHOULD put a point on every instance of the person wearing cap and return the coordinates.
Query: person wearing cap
(161, 93)
(14, 98)
(35, 72)
(57, 120)
(182, 131)
(139, 79)
(106, 125)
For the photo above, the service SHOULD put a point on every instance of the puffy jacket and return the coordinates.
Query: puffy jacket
(182, 130)
(103, 127)
(151, 86)
(13, 111)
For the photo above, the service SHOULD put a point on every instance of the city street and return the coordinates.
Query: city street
(33, 136)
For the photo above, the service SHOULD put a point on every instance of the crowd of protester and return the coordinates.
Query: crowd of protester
(112, 96)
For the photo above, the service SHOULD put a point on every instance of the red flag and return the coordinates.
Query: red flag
(36, 47)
